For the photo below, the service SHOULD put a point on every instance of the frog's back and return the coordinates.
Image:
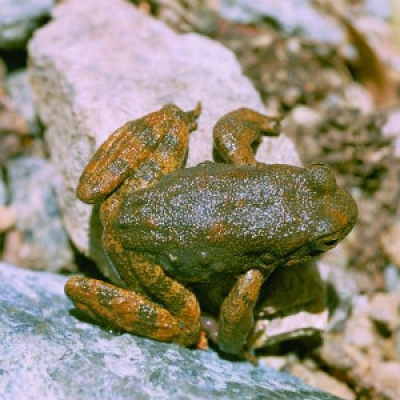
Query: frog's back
(214, 205)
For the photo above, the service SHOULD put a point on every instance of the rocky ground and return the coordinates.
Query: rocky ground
(331, 69)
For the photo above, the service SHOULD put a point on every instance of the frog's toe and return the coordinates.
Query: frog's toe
(271, 125)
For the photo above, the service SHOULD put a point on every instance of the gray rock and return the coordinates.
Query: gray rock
(293, 16)
(47, 353)
(3, 189)
(100, 63)
(45, 244)
(18, 19)
(19, 90)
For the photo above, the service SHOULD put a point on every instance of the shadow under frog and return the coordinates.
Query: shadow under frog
(185, 239)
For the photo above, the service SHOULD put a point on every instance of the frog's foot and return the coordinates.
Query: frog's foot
(236, 317)
(191, 117)
(235, 132)
(147, 139)
(122, 309)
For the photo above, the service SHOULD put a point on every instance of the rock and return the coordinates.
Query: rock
(3, 189)
(320, 379)
(100, 63)
(392, 279)
(12, 124)
(293, 16)
(45, 245)
(46, 349)
(18, 87)
(391, 242)
(8, 218)
(380, 8)
(359, 329)
(392, 129)
(384, 308)
(275, 362)
(292, 305)
(366, 355)
(387, 374)
(18, 19)
(333, 269)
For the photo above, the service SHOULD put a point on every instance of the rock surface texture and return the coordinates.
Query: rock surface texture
(47, 353)
(18, 19)
(100, 63)
(44, 242)
(291, 15)
(18, 87)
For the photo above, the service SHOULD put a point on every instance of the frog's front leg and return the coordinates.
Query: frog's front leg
(235, 132)
(236, 315)
(173, 316)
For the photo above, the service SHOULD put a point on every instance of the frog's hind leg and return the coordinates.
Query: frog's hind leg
(121, 309)
(158, 135)
(167, 312)
(235, 132)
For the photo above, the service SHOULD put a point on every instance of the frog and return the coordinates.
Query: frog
(184, 241)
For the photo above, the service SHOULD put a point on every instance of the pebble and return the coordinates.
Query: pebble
(18, 87)
(8, 218)
(384, 308)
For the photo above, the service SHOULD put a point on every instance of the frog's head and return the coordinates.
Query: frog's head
(188, 117)
(331, 214)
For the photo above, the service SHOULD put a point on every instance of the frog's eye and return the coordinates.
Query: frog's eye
(322, 178)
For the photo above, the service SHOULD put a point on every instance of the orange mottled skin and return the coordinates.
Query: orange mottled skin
(204, 238)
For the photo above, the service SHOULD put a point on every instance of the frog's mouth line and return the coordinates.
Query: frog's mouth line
(307, 253)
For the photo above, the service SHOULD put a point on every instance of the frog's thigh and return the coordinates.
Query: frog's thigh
(122, 309)
(236, 317)
(175, 297)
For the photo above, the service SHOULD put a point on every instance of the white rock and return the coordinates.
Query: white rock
(18, 18)
(385, 308)
(380, 8)
(291, 15)
(392, 129)
(359, 329)
(100, 63)
(387, 374)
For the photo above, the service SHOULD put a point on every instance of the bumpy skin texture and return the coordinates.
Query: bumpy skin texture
(205, 237)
